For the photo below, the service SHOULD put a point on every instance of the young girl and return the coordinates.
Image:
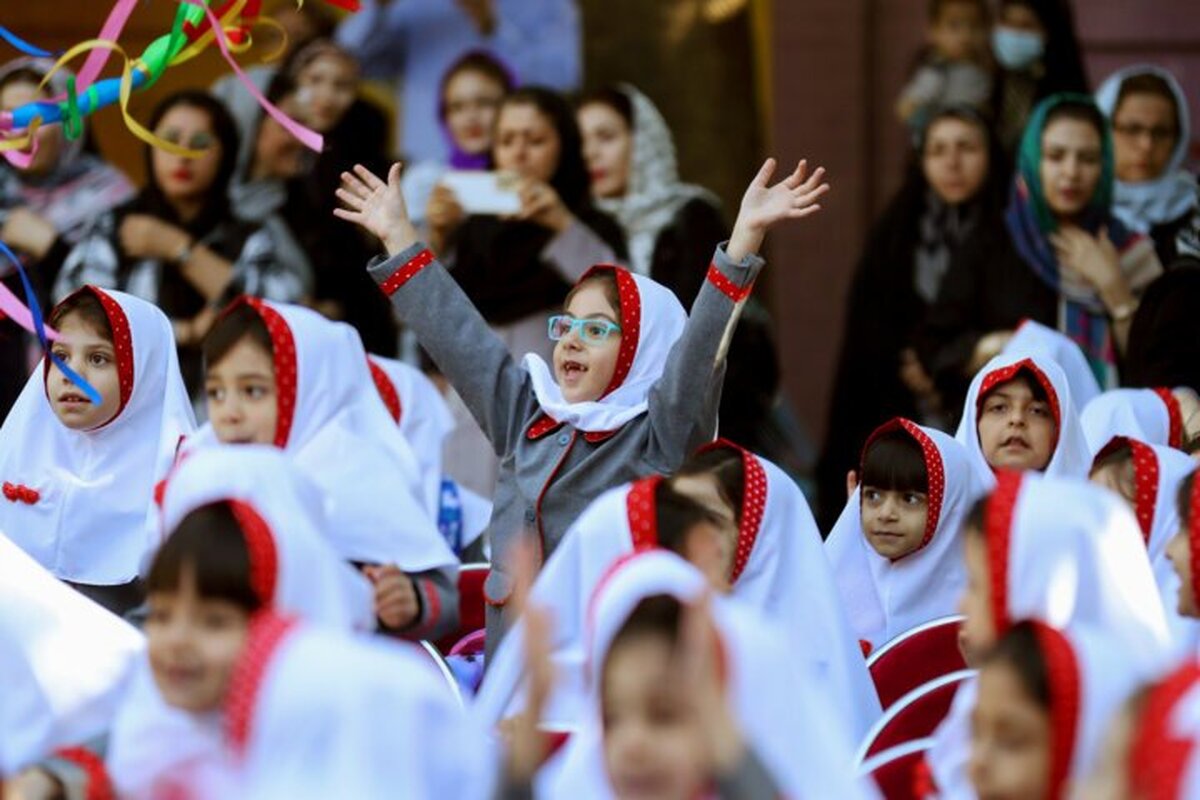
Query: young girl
(1044, 697)
(757, 542)
(1185, 542)
(1019, 415)
(66, 663)
(895, 550)
(1061, 551)
(615, 405)
(1159, 416)
(669, 718)
(1031, 336)
(285, 375)
(79, 476)
(261, 701)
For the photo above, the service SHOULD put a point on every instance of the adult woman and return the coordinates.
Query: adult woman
(953, 187)
(631, 162)
(1038, 54)
(45, 206)
(1154, 193)
(514, 270)
(1059, 257)
(177, 242)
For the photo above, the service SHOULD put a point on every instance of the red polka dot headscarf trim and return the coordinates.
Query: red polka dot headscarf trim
(387, 389)
(1145, 479)
(283, 354)
(754, 504)
(631, 320)
(265, 633)
(1174, 415)
(1158, 757)
(997, 530)
(642, 514)
(1063, 679)
(122, 343)
(1193, 529)
(935, 471)
(1005, 374)
(260, 545)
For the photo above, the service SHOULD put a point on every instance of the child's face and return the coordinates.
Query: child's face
(1117, 476)
(651, 746)
(1010, 738)
(1070, 166)
(1189, 410)
(92, 356)
(241, 395)
(582, 369)
(978, 631)
(710, 547)
(192, 643)
(50, 138)
(1179, 550)
(607, 148)
(958, 32)
(1016, 430)
(471, 100)
(893, 522)
(1110, 773)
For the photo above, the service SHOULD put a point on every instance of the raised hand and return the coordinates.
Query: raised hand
(764, 205)
(377, 207)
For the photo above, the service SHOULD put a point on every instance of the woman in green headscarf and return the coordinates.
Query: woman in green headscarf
(1058, 256)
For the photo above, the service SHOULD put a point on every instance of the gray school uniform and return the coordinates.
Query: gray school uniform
(550, 472)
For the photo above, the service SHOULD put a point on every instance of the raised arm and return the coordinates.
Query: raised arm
(477, 363)
(683, 404)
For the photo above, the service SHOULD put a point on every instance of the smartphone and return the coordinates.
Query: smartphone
(480, 192)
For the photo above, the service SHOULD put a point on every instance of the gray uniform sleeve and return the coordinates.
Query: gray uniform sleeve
(493, 386)
(73, 775)
(683, 404)
(437, 591)
(749, 780)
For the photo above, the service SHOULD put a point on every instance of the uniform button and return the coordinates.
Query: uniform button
(530, 516)
(563, 438)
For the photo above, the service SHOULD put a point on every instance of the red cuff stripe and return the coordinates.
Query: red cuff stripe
(98, 785)
(403, 275)
(728, 288)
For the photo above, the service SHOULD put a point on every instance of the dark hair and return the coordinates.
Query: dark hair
(322, 21)
(570, 177)
(1020, 649)
(1027, 377)
(211, 544)
(676, 515)
(1183, 501)
(1116, 454)
(1063, 58)
(238, 323)
(479, 61)
(1080, 112)
(937, 7)
(615, 99)
(895, 462)
(1191, 445)
(977, 516)
(607, 281)
(726, 464)
(151, 200)
(657, 616)
(89, 309)
(1147, 83)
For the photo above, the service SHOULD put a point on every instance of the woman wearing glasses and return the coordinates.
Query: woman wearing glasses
(1154, 193)
(177, 243)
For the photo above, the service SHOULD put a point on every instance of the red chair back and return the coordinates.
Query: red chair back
(897, 771)
(914, 716)
(915, 658)
(470, 603)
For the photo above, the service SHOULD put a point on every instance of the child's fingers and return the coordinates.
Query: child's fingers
(764, 173)
(797, 177)
(813, 180)
(351, 200)
(369, 178)
(394, 174)
(811, 196)
(801, 213)
(354, 186)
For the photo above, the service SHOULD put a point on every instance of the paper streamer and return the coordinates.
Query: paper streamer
(38, 327)
(22, 45)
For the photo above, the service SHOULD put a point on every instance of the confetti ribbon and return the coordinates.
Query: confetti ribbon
(22, 45)
(33, 316)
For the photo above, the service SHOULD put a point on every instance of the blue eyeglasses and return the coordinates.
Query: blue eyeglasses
(591, 331)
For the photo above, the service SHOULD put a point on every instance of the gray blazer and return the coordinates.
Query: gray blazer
(550, 472)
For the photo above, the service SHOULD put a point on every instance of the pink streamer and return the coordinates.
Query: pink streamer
(11, 306)
(308, 137)
(96, 59)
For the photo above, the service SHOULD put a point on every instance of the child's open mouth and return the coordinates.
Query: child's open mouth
(1014, 443)
(573, 370)
(73, 399)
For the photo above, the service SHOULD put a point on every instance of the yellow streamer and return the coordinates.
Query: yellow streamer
(25, 140)
(195, 48)
(271, 22)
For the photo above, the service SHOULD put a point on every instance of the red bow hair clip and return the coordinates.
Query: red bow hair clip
(16, 493)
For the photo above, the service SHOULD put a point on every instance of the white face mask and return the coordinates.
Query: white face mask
(1017, 49)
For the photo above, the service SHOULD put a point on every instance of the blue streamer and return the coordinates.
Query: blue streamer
(39, 326)
(24, 46)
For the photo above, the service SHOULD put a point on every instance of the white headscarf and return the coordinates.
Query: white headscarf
(1173, 193)
(780, 571)
(885, 597)
(335, 428)
(1152, 416)
(790, 725)
(654, 194)
(93, 520)
(64, 662)
(1070, 457)
(652, 320)
(1032, 336)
